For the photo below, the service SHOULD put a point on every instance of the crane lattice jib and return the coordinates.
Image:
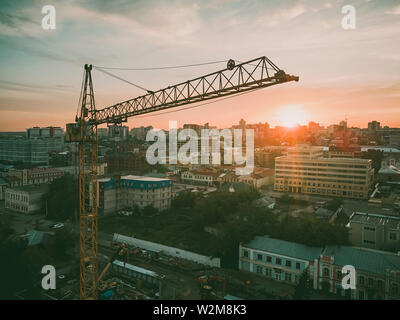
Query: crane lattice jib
(253, 74)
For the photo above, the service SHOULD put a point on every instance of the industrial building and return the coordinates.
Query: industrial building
(304, 170)
(115, 194)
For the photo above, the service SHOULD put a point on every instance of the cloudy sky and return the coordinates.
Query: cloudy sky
(343, 73)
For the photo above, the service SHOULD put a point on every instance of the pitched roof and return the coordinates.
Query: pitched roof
(363, 259)
(35, 237)
(285, 248)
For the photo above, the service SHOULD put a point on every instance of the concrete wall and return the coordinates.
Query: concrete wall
(171, 251)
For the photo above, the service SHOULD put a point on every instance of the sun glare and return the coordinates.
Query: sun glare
(292, 115)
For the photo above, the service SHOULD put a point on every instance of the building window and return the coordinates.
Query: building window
(245, 253)
(288, 263)
(338, 274)
(259, 269)
(269, 259)
(278, 261)
(361, 280)
(380, 284)
(326, 272)
(297, 265)
(392, 236)
(370, 282)
(259, 257)
(361, 295)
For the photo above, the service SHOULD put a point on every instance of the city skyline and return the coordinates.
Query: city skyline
(343, 73)
(211, 124)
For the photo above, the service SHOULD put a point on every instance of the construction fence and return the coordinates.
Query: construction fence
(170, 251)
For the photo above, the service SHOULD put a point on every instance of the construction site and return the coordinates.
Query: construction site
(235, 79)
(131, 273)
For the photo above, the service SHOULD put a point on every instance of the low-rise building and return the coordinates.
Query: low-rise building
(390, 174)
(257, 179)
(132, 190)
(27, 199)
(277, 259)
(205, 177)
(377, 273)
(3, 186)
(375, 231)
(36, 175)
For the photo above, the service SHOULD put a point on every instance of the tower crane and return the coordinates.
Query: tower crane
(234, 79)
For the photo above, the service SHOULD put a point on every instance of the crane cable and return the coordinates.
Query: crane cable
(164, 67)
(122, 79)
(102, 69)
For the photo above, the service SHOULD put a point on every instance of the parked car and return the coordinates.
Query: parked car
(57, 225)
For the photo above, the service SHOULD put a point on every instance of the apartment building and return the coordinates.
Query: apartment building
(115, 194)
(374, 231)
(304, 170)
(35, 147)
(25, 199)
(377, 272)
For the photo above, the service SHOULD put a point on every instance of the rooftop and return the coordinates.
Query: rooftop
(376, 219)
(333, 160)
(368, 260)
(285, 248)
(143, 178)
(384, 149)
(32, 188)
(137, 269)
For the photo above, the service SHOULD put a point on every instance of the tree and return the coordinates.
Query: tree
(15, 273)
(342, 218)
(5, 232)
(149, 211)
(186, 199)
(376, 157)
(63, 241)
(303, 290)
(62, 198)
(334, 204)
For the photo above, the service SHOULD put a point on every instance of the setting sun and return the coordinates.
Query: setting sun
(292, 115)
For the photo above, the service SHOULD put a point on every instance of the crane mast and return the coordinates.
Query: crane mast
(247, 76)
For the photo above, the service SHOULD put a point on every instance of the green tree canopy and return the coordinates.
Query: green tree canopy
(62, 198)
